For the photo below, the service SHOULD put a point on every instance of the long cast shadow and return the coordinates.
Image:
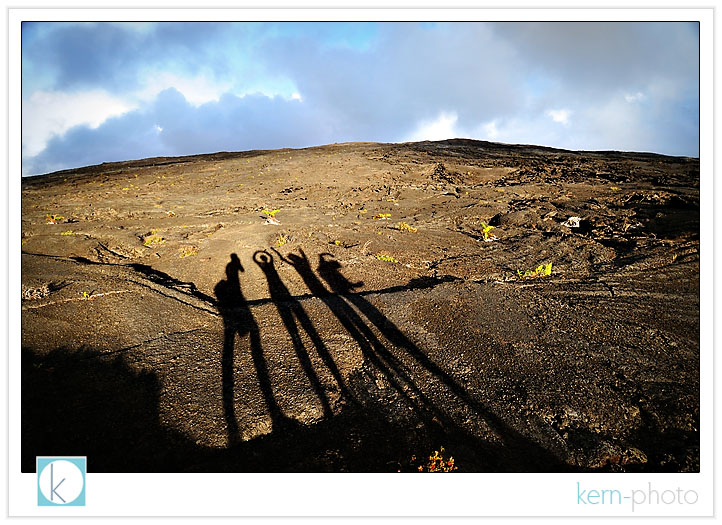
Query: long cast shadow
(78, 402)
(372, 349)
(364, 439)
(329, 270)
(238, 320)
(290, 310)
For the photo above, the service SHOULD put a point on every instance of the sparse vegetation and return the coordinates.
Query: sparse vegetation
(428, 330)
(153, 239)
(436, 463)
(404, 227)
(270, 217)
(485, 230)
(53, 218)
(187, 251)
(386, 258)
(542, 270)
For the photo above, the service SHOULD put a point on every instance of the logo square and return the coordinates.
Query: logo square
(61, 481)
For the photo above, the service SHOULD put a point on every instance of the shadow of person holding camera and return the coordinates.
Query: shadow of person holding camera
(239, 321)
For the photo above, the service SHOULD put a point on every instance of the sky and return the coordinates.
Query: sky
(102, 92)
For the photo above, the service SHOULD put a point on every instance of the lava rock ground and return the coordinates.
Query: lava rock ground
(167, 327)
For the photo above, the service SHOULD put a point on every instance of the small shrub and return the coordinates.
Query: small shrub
(153, 239)
(386, 258)
(53, 218)
(187, 251)
(271, 213)
(542, 270)
(404, 227)
(382, 216)
(436, 463)
(485, 230)
(69, 232)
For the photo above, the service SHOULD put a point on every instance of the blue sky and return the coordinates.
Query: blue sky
(100, 92)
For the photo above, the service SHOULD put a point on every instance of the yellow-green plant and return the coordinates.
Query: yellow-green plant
(485, 229)
(271, 213)
(153, 240)
(404, 227)
(187, 251)
(382, 216)
(386, 258)
(282, 239)
(69, 232)
(53, 218)
(542, 270)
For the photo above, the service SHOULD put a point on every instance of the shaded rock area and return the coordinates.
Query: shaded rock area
(349, 308)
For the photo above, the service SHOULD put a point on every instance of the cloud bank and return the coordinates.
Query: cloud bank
(97, 92)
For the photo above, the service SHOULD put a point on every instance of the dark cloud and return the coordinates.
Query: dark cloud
(596, 57)
(113, 57)
(483, 72)
(411, 73)
(171, 126)
(378, 82)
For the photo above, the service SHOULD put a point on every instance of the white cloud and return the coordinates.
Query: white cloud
(441, 128)
(559, 115)
(196, 90)
(636, 97)
(47, 114)
(489, 130)
(521, 83)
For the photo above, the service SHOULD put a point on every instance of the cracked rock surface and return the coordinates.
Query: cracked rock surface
(169, 325)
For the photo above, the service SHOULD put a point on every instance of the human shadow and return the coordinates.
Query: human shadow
(330, 272)
(371, 347)
(238, 320)
(291, 312)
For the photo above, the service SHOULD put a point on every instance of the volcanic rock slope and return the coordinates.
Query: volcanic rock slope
(169, 324)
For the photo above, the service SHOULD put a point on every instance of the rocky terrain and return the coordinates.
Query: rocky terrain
(356, 307)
